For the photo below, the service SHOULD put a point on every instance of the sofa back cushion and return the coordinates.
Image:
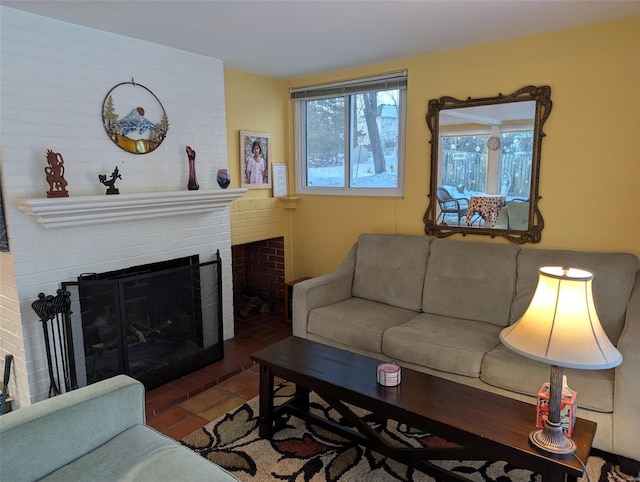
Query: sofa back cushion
(473, 281)
(613, 278)
(390, 268)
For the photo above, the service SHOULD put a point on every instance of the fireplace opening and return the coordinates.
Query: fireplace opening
(153, 322)
(258, 277)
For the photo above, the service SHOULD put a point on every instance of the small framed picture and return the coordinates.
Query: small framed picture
(255, 159)
(280, 184)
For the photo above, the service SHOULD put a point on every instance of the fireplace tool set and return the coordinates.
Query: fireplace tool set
(58, 340)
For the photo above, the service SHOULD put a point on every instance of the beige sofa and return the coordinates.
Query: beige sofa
(438, 305)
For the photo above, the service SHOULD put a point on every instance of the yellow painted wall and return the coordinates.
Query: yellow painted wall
(255, 103)
(590, 167)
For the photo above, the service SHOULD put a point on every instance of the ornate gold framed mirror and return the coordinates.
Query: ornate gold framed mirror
(485, 165)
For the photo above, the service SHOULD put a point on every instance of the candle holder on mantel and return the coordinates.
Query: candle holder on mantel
(55, 175)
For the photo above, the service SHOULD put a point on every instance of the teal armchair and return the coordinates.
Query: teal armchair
(95, 433)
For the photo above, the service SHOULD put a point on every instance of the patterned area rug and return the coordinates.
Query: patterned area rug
(301, 452)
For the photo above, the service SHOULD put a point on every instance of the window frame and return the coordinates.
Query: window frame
(397, 80)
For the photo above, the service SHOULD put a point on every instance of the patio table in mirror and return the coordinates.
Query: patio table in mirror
(485, 163)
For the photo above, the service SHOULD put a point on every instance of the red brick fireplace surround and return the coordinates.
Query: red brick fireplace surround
(258, 268)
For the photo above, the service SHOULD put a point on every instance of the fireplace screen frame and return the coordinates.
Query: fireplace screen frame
(207, 306)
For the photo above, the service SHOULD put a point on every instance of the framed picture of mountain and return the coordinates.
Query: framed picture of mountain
(134, 118)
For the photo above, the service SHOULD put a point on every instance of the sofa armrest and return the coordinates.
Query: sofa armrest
(37, 439)
(322, 291)
(626, 421)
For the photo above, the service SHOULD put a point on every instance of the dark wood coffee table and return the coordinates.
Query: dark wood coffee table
(485, 425)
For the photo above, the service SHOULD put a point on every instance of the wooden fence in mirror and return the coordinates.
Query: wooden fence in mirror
(485, 165)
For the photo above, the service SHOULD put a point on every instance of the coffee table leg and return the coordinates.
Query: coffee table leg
(553, 475)
(266, 402)
(301, 399)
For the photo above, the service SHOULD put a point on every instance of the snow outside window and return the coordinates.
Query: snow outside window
(350, 137)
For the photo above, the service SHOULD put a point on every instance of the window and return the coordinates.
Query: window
(468, 166)
(350, 137)
(517, 154)
(465, 161)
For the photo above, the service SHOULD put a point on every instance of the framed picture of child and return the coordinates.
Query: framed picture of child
(255, 157)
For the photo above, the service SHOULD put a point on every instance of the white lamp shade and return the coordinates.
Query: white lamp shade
(561, 326)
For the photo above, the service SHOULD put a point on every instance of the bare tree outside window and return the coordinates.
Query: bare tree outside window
(351, 140)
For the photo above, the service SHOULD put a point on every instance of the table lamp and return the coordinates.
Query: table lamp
(561, 328)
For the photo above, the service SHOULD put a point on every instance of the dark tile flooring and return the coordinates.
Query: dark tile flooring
(190, 402)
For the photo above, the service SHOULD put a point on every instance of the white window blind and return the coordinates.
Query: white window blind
(396, 80)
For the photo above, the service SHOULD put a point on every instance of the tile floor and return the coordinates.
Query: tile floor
(186, 404)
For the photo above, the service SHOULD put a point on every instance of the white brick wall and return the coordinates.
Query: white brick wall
(54, 77)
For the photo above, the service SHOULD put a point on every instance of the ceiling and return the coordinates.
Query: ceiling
(293, 38)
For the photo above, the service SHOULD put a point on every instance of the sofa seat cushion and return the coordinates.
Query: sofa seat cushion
(471, 281)
(390, 268)
(357, 322)
(140, 454)
(506, 369)
(447, 344)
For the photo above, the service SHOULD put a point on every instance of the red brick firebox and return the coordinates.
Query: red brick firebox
(259, 266)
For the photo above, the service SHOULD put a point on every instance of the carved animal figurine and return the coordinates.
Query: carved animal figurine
(111, 183)
(55, 175)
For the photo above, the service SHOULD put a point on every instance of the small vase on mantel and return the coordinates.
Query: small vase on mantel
(192, 185)
(223, 178)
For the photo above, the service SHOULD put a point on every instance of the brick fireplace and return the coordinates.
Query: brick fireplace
(154, 218)
(96, 234)
(258, 277)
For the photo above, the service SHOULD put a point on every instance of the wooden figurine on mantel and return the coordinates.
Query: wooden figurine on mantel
(55, 175)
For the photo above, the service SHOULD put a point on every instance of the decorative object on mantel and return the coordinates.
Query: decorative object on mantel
(134, 132)
(55, 175)
(192, 185)
(223, 178)
(111, 183)
(255, 152)
(57, 339)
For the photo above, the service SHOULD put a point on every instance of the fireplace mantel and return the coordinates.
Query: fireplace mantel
(84, 210)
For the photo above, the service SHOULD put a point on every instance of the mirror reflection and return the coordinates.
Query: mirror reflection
(484, 165)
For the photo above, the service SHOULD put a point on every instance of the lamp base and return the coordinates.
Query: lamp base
(552, 440)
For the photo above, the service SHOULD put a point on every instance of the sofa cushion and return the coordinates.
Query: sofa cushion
(614, 276)
(59, 430)
(473, 281)
(447, 344)
(390, 268)
(140, 454)
(357, 322)
(506, 369)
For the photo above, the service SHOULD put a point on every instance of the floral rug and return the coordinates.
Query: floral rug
(302, 452)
